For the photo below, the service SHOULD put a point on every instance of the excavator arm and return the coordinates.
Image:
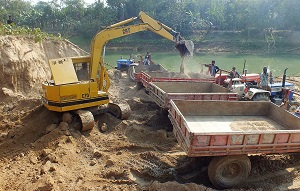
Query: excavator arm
(119, 29)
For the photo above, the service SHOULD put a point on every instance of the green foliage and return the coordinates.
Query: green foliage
(250, 45)
(192, 18)
(38, 35)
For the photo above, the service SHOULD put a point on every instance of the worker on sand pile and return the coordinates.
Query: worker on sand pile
(10, 20)
(212, 68)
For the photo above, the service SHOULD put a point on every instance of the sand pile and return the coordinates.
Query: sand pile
(24, 63)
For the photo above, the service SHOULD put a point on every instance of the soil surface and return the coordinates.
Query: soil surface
(134, 154)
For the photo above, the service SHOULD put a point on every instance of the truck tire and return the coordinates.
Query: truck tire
(164, 111)
(130, 73)
(139, 85)
(229, 171)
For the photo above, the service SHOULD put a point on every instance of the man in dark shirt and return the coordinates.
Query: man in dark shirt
(233, 73)
(147, 60)
(10, 20)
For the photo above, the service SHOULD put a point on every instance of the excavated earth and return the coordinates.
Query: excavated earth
(135, 154)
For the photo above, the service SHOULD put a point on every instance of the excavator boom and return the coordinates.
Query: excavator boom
(185, 47)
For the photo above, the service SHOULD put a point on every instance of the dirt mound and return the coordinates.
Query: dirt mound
(24, 63)
(38, 153)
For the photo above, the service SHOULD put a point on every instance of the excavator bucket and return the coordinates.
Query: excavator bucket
(185, 48)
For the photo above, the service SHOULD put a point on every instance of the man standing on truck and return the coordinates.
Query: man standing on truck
(264, 78)
(212, 68)
(147, 60)
(233, 73)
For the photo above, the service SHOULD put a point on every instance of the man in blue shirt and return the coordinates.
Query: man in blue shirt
(213, 68)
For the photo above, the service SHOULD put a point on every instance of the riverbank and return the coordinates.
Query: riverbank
(237, 42)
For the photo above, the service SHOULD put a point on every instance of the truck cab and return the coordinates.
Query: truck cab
(235, 85)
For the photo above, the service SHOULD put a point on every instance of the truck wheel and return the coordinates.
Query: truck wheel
(229, 171)
(139, 85)
(130, 73)
(164, 111)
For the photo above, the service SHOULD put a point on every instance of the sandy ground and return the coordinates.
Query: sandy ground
(134, 154)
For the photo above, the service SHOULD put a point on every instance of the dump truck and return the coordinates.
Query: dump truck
(232, 132)
(164, 76)
(163, 92)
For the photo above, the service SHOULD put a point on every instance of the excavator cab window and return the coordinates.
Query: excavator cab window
(82, 70)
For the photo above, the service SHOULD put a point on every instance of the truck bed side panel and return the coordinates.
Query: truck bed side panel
(280, 115)
(217, 108)
(278, 138)
(163, 92)
(162, 76)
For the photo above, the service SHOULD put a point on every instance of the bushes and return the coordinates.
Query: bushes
(18, 30)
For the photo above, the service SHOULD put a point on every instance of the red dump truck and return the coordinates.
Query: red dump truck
(145, 78)
(163, 92)
(231, 132)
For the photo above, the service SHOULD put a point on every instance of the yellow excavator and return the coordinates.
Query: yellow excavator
(80, 84)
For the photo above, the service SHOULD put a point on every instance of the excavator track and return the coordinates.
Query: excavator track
(119, 109)
(86, 119)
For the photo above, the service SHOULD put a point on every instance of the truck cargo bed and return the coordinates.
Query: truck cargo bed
(147, 68)
(214, 128)
(163, 92)
(162, 76)
(202, 124)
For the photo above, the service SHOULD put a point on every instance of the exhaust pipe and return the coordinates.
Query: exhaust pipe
(284, 77)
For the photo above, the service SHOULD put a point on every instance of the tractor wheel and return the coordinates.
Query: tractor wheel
(131, 72)
(229, 171)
